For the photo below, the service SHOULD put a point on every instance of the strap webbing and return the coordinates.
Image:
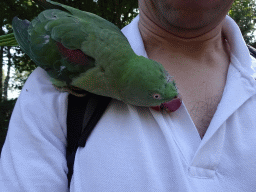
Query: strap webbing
(82, 116)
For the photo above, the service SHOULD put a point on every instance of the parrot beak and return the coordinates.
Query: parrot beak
(170, 106)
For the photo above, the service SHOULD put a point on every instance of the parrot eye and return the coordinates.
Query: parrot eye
(157, 96)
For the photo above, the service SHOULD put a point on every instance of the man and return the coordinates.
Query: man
(208, 144)
(186, 37)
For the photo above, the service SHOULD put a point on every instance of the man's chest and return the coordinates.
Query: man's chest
(201, 88)
(201, 93)
(202, 110)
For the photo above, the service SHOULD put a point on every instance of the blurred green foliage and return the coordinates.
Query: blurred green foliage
(6, 108)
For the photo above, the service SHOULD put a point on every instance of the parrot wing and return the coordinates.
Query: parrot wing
(67, 42)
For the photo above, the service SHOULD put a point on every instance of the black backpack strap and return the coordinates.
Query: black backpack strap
(82, 116)
(252, 51)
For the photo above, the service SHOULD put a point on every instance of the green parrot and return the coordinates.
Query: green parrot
(82, 51)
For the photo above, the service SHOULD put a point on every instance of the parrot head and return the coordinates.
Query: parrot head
(146, 83)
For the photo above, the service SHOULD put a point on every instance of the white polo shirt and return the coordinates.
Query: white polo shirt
(135, 148)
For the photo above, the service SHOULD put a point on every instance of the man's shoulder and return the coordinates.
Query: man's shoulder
(39, 82)
(40, 76)
(39, 92)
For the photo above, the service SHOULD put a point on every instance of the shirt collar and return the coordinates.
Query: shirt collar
(240, 56)
(132, 33)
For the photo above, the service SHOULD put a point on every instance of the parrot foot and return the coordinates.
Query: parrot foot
(72, 90)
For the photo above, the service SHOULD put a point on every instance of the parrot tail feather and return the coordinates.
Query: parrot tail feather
(20, 29)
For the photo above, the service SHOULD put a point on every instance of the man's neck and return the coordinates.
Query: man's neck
(202, 48)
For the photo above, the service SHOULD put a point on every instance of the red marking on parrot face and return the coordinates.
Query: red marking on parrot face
(74, 56)
(170, 106)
